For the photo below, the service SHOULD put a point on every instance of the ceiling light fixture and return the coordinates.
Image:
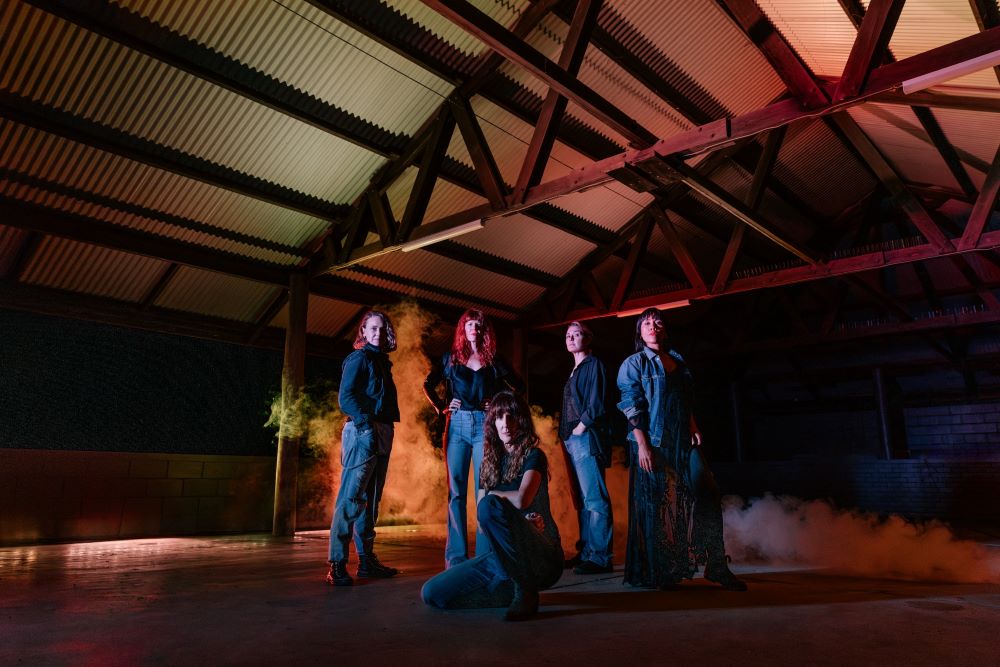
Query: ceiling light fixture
(663, 306)
(951, 72)
(443, 235)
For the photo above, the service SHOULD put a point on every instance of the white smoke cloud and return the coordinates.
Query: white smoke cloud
(784, 530)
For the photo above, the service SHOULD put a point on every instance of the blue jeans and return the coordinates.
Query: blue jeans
(364, 460)
(465, 444)
(596, 521)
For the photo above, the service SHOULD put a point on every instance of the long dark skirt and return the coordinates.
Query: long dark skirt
(660, 549)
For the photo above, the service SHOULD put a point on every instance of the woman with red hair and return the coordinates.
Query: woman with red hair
(472, 374)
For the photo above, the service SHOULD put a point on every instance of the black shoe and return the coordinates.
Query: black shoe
(524, 605)
(572, 562)
(337, 576)
(590, 567)
(370, 567)
(722, 575)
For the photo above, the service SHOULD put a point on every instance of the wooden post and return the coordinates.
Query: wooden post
(882, 406)
(290, 434)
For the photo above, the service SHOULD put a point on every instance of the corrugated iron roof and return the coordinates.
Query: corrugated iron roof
(975, 137)
(820, 32)
(913, 157)
(208, 293)
(80, 267)
(11, 240)
(324, 316)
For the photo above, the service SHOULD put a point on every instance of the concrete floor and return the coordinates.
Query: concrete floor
(256, 600)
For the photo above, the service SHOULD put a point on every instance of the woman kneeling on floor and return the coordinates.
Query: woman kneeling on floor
(526, 555)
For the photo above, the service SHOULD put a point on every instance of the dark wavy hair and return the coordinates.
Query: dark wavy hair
(492, 472)
(461, 349)
(653, 313)
(390, 332)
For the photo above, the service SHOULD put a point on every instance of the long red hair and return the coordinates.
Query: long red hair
(461, 348)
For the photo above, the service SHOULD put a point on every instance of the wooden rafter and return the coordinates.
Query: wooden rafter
(987, 16)
(677, 247)
(507, 44)
(776, 50)
(983, 208)
(887, 175)
(869, 47)
(639, 244)
(945, 149)
(544, 135)
(486, 167)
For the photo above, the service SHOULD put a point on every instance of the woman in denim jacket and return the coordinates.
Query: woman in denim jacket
(675, 517)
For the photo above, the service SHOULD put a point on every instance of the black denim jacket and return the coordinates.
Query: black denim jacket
(589, 386)
(367, 392)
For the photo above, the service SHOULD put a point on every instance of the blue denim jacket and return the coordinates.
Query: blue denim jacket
(643, 385)
(367, 392)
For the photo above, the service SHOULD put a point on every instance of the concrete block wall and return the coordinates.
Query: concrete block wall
(67, 495)
(963, 492)
(966, 431)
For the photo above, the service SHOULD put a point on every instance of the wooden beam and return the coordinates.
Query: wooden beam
(381, 210)
(938, 100)
(482, 158)
(945, 149)
(160, 285)
(544, 135)
(263, 318)
(501, 40)
(74, 305)
(786, 63)
(983, 208)
(639, 244)
(290, 429)
(714, 193)
(887, 175)
(420, 195)
(987, 16)
(719, 134)
(677, 247)
(869, 46)
(23, 215)
(593, 290)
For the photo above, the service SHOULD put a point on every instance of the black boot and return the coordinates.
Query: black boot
(524, 605)
(337, 576)
(370, 567)
(720, 573)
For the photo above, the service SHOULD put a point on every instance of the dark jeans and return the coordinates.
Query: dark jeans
(519, 554)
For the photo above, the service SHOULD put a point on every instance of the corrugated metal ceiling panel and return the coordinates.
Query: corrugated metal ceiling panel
(79, 267)
(208, 293)
(819, 31)
(913, 158)
(706, 44)
(144, 97)
(67, 163)
(928, 24)
(325, 317)
(529, 242)
(504, 12)
(975, 137)
(611, 207)
(821, 169)
(318, 54)
(426, 267)
(405, 287)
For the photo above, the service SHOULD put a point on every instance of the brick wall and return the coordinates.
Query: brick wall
(63, 495)
(968, 431)
(963, 492)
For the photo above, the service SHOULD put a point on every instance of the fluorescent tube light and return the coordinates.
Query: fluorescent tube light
(663, 306)
(951, 72)
(443, 235)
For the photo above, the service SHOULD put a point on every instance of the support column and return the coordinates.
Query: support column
(882, 409)
(290, 432)
(735, 398)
